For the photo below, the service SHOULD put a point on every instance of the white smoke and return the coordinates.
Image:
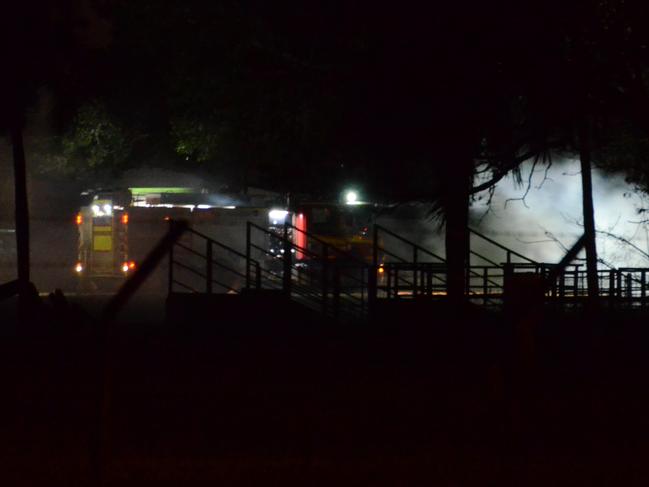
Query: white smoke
(548, 220)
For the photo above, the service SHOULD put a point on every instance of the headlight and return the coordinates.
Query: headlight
(105, 210)
(277, 216)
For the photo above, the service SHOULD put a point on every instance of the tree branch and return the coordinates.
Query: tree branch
(503, 172)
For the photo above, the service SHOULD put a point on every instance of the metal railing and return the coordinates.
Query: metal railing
(425, 273)
(338, 284)
(509, 253)
(200, 264)
(410, 271)
(320, 276)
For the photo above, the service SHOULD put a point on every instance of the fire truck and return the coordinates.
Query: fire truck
(344, 228)
(118, 228)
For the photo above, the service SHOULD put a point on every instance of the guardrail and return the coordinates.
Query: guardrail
(320, 276)
(338, 284)
(424, 274)
(200, 264)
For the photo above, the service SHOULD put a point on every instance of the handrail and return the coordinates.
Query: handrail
(493, 242)
(483, 258)
(311, 236)
(214, 242)
(191, 269)
(307, 251)
(211, 262)
(217, 243)
(312, 254)
(322, 285)
(405, 240)
(184, 285)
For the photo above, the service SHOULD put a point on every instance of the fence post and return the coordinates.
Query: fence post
(629, 291)
(643, 291)
(257, 276)
(396, 282)
(286, 284)
(171, 269)
(485, 285)
(336, 291)
(619, 284)
(372, 284)
(553, 291)
(208, 270)
(248, 248)
(611, 287)
(325, 282)
(375, 248)
(414, 268)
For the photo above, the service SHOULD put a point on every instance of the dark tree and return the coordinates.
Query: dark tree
(40, 42)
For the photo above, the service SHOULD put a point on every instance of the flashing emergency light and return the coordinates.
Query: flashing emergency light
(79, 219)
(78, 268)
(381, 269)
(351, 197)
(125, 218)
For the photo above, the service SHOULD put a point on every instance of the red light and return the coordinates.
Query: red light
(131, 265)
(125, 218)
(300, 235)
(79, 219)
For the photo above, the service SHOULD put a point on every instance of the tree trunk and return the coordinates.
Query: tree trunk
(456, 207)
(21, 207)
(589, 212)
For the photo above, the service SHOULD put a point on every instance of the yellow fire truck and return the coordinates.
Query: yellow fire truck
(344, 227)
(117, 229)
(103, 236)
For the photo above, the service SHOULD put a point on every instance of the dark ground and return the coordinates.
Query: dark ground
(441, 401)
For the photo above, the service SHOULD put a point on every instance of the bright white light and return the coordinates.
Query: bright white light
(108, 209)
(96, 211)
(277, 215)
(351, 197)
(78, 268)
(125, 267)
